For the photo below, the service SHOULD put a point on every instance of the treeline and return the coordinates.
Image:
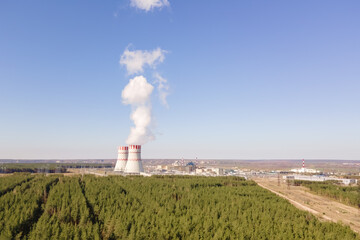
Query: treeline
(347, 195)
(47, 167)
(171, 207)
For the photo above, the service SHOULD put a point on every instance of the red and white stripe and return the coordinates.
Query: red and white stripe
(122, 158)
(134, 163)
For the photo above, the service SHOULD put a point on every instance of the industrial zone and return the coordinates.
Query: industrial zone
(129, 162)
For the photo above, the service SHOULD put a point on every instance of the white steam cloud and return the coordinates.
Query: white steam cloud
(135, 61)
(148, 5)
(163, 88)
(137, 93)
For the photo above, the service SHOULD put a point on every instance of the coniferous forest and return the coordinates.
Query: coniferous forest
(133, 207)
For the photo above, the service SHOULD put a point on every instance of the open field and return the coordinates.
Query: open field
(323, 207)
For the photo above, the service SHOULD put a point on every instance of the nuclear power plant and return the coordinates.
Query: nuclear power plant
(129, 160)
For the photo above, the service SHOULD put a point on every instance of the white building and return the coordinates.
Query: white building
(304, 170)
(318, 178)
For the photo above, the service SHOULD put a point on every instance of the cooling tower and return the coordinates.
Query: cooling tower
(134, 164)
(122, 158)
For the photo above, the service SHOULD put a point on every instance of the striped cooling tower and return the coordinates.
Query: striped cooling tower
(134, 164)
(122, 159)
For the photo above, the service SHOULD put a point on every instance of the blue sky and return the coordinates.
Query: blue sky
(248, 79)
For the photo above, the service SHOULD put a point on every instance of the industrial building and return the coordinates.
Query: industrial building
(210, 171)
(303, 169)
(320, 178)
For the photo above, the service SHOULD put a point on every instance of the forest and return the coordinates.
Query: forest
(349, 195)
(159, 207)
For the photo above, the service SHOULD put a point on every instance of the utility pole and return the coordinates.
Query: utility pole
(288, 184)
(279, 179)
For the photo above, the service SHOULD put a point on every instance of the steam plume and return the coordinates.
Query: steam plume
(148, 5)
(135, 61)
(163, 88)
(137, 93)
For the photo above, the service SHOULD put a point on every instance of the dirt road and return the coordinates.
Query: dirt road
(322, 207)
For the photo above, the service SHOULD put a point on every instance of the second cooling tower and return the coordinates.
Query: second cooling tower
(134, 164)
(122, 159)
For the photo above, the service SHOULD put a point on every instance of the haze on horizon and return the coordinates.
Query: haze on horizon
(234, 80)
